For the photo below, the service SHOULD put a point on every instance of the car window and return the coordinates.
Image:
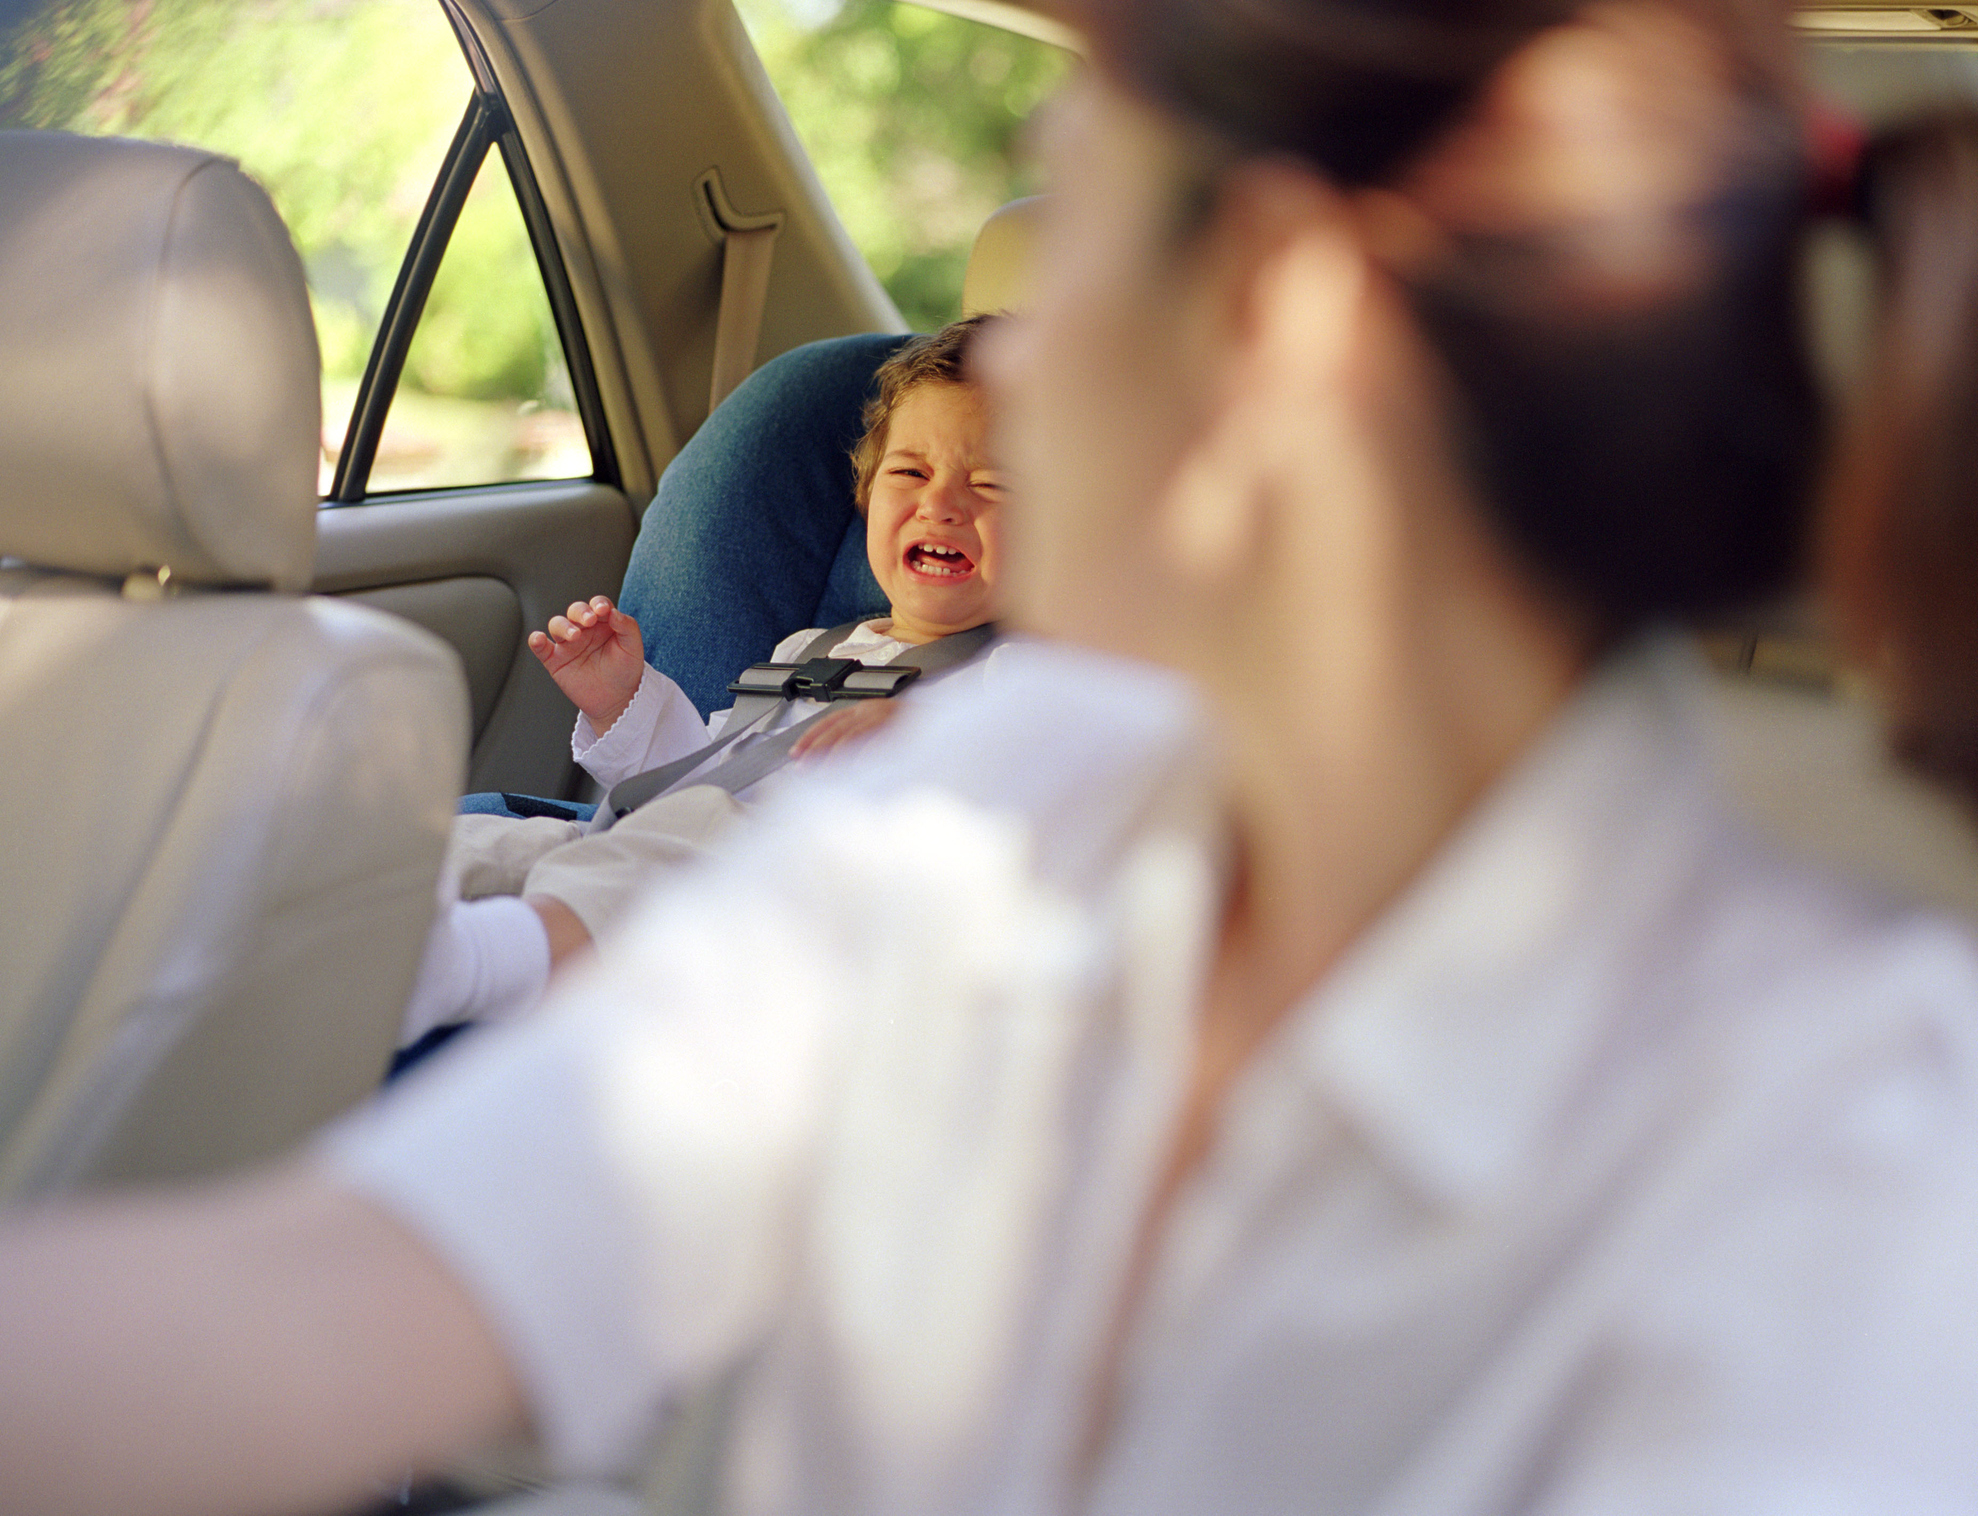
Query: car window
(913, 120)
(343, 110)
(486, 394)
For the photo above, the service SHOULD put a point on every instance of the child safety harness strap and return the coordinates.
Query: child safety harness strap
(764, 689)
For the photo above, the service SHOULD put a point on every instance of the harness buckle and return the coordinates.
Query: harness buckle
(824, 679)
(881, 683)
(817, 678)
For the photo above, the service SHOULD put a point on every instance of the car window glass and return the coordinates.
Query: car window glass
(485, 396)
(912, 119)
(343, 110)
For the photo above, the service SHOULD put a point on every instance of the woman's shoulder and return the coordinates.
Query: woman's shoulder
(1810, 953)
(1814, 1210)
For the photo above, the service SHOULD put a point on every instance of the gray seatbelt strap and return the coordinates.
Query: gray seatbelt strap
(758, 760)
(748, 713)
(763, 758)
(745, 257)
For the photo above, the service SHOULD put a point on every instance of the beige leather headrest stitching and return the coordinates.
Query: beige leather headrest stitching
(999, 264)
(159, 399)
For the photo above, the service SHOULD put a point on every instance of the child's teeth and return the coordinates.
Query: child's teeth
(946, 562)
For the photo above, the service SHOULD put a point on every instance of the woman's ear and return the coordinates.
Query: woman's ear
(1284, 282)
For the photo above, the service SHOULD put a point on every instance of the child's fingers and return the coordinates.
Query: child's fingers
(541, 646)
(821, 738)
(572, 633)
(625, 630)
(817, 735)
(847, 724)
(580, 616)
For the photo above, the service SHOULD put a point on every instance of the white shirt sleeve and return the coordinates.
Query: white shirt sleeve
(617, 1180)
(659, 725)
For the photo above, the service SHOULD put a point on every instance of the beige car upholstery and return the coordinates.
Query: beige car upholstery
(1800, 743)
(999, 263)
(225, 804)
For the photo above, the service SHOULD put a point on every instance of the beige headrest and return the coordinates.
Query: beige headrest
(999, 265)
(159, 389)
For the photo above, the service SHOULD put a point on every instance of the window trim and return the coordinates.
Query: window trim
(562, 302)
(408, 297)
(485, 124)
(549, 256)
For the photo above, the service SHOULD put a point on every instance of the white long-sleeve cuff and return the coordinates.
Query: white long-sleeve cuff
(632, 730)
(659, 725)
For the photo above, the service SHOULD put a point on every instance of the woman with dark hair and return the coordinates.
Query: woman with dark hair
(1366, 1073)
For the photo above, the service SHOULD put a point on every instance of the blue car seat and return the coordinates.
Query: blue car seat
(753, 535)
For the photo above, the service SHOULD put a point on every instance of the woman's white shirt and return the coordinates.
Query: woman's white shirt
(1620, 1167)
(662, 724)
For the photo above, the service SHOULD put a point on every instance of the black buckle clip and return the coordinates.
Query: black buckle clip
(824, 679)
(816, 678)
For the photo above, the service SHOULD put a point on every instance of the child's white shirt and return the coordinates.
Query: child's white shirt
(488, 959)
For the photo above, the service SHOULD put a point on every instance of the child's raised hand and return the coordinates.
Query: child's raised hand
(847, 722)
(595, 654)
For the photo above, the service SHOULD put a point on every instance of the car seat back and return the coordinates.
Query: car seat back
(998, 274)
(226, 804)
(753, 534)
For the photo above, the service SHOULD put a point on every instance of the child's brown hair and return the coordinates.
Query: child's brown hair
(934, 358)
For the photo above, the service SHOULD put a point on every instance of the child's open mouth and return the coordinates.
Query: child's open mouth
(939, 562)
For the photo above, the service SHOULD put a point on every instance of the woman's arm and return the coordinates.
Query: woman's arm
(273, 1343)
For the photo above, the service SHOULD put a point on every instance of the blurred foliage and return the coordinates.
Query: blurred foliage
(912, 119)
(487, 331)
(343, 110)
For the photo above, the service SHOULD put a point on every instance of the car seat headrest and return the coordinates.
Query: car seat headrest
(159, 377)
(999, 265)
